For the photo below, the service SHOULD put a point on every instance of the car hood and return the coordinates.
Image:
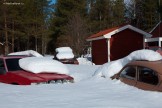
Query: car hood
(54, 76)
(29, 75)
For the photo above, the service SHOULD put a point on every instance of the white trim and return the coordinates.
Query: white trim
(98, 38)
(155, 27)
(157, 39)
(153, 39)
(144, 45)
(159, 43)
(145, 34)
(108, 49)
(108, 35)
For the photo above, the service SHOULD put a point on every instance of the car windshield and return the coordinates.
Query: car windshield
(155, 48)
(13, 64)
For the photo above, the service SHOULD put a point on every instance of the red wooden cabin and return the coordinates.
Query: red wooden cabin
(116, 43)
(156, 39)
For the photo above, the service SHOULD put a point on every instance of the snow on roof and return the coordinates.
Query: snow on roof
(111, 68)
(27, 52)
(63, 49)
(109, 32)
(42, 64)
(64, 53)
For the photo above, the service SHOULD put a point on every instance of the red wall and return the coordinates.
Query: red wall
(157, 32)
(124, 42)
(99, 51)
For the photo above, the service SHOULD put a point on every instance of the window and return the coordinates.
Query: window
(147, 75)
(13, 64)
(2, 67)
(129, 72)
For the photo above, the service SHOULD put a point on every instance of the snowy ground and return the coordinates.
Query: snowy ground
(89, 91)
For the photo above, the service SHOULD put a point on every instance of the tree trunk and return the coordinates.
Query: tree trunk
(5, 31)
(13, 38)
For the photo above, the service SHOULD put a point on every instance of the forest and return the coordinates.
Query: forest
(42, 25)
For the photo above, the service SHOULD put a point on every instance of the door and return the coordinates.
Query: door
(128, 75)
(147, 79)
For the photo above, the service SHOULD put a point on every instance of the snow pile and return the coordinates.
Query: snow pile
(64, 53)
(145, 54)
(84, 61)
(28, 53)
(87, 92)
(111, 68)
(42, 64)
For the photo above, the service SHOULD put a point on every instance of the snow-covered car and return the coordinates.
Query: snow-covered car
(155, 48)
(146, 75)
(12, 73)
(65, 55)
(68, 61)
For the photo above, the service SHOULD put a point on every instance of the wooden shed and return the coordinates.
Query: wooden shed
(156, 39)
(116, 43)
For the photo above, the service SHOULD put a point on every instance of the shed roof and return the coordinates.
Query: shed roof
(109, 32)
(155, 27)
(157, 30)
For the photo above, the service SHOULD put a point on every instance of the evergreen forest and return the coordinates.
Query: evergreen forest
(42, 25)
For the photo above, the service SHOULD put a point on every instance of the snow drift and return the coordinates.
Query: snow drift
(64, 53)
(111, 68)
(28, 53)
(84, 61)
(42, 64)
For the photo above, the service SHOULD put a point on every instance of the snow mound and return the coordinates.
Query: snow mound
(42, 64)
(144, 54)
(109, 69)
(64, 53)
(28, 53)
(84, 61)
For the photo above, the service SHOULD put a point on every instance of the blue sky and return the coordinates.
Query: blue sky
(53, 1)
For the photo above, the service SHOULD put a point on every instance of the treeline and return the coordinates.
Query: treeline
(42, 26)
(24, 25)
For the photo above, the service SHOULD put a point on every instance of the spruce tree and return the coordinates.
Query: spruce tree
(64, 11)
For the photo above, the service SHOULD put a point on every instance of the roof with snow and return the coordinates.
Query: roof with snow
(109, 32)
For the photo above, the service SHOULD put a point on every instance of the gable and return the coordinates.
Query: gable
(109, 32)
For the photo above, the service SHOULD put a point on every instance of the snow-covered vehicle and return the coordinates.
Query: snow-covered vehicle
(65, 55)
(12, 73)
(146, 75)
(155, 48)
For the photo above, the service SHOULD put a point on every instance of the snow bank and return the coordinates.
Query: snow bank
(111, 68)
(84, 61)
(64, 53)
(28, 53)
(42, 64)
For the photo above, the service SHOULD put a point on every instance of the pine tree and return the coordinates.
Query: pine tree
(64, 11)
(25, 21)
(145, 15)
(106, 14)
(160, 9)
